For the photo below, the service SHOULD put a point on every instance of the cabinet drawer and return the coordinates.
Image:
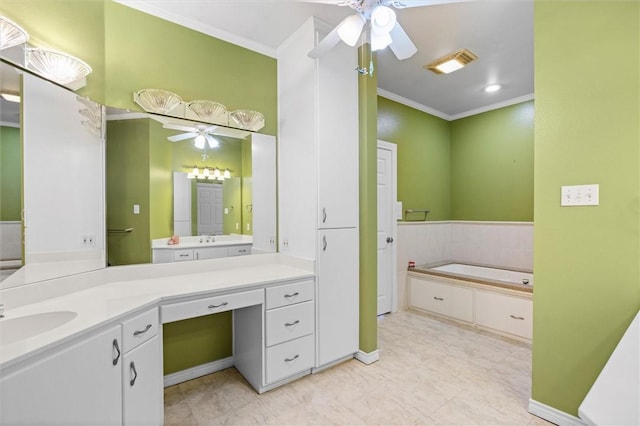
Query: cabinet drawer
(289, 294)
(210, 253)
(289, 358)
(210, 305)
(139, 329)
(289, 322)
(444, 299)
(509, 314)
(181, 255)
(239, 250)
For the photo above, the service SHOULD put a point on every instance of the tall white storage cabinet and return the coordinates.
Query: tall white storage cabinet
(318, 180)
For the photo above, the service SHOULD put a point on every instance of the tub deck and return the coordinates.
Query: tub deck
(429, 270)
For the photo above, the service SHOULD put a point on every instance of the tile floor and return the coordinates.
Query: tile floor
(430, 372)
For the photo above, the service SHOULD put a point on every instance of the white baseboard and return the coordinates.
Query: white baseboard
(553, 415)
(197, 371)
(368, 358)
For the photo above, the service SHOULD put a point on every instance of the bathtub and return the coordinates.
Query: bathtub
(498, 277)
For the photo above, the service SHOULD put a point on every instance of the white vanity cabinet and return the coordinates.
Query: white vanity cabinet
(142, 370)
(76, 384)
(177, 254)
(318, 180)
(505, 313)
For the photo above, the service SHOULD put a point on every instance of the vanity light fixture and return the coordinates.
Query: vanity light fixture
(209, 174)
(493, 88)
(57, 66)
(11, 34)
(452, 62)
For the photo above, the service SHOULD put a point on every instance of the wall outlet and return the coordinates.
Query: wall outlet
(87, 241)
(580, 195)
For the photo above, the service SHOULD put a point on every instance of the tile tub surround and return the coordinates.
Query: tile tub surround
(430, 371)
(500, 244)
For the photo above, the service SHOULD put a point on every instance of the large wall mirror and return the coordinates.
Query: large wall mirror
(97, 192)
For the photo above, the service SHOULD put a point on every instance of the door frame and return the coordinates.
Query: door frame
(394, 228)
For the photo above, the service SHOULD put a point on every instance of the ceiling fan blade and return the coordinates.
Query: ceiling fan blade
(401, 46)
(326, 44)
(181, 137)
(178, 127)
(398, 4)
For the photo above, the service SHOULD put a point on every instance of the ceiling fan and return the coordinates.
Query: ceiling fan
(202, 134)
(383, 29)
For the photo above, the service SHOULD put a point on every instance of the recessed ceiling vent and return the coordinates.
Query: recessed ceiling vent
(452, 62)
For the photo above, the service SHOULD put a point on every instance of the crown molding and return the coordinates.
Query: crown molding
(491, 107)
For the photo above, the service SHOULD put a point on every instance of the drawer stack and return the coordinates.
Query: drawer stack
(289, 330)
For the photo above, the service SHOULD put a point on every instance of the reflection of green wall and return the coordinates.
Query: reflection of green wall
(10, 174)
(160, 182)
(587, 128)
(492, 165)
(128, 183)
(424, 170)
(143, 51)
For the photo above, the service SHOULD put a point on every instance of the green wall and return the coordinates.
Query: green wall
(160, 182)
(492, 165)
(587, 129)
(424, 157)
(10, 174)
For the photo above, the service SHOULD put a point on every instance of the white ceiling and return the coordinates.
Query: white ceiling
(500, 32)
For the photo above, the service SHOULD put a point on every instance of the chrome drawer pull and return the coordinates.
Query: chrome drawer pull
(218, 306)
(291, 324)
(438, 298)
(292, 295)
(324, 215)
(184, 255)
(132, 369)
(139, 332)
(516, 318)
(291, 359)
(117, 349)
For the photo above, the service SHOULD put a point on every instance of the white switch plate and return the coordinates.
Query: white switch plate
(136, 209)
(580, 195)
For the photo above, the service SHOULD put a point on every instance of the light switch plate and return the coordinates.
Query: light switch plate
(580, 195)
(136, 209)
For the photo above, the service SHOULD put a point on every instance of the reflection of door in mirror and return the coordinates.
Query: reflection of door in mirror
(210, 209)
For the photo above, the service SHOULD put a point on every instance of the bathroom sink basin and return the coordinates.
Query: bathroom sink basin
(15, 329)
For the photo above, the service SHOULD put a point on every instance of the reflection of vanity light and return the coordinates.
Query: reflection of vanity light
(227, 174)
(10, 97)
(209, 174)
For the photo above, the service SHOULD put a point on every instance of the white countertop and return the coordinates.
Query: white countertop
(201, 242)
(132, 288)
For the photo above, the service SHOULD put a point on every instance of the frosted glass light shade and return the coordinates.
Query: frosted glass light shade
(156, 100)
(350, 29)
(383, 19)
(199, 141)
(57, 66)
(11, 34)
(206, 110)
(380, 40)
(247, 119)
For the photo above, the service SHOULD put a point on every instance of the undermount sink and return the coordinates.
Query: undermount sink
(15, 329)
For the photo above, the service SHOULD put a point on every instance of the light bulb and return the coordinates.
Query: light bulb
(350, 29)
(227, 174)
(383, 19)
(195, 171)
(216, 173)
(206, 172)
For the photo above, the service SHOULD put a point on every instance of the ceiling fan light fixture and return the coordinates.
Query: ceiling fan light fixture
(452, 62)
(383, 19)
(350, 29)
(57, 66)
(199, 141)
(213, 142)
(493, 88)
(379, 41)
(11, 34)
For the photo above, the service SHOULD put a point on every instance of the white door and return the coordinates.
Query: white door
(386, 227)
(210, 218)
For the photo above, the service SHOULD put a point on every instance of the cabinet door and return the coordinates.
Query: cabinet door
(509, 314)
(337, 98)
(76, 385)
(142, 385)
(338, 289)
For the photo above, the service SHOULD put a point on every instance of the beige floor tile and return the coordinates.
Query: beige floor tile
(431, 372)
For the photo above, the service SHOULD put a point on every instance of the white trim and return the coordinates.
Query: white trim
(553, 415)
(197, 371)
(491, 107)
(444, 116)
(394, 228)
(151, 9)
(413, 104)
(463, 222)
(127, 116)
(368, 358)
(9, 124)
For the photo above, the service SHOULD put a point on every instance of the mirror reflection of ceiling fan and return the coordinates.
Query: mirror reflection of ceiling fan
(203, 135)
(377, 20)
